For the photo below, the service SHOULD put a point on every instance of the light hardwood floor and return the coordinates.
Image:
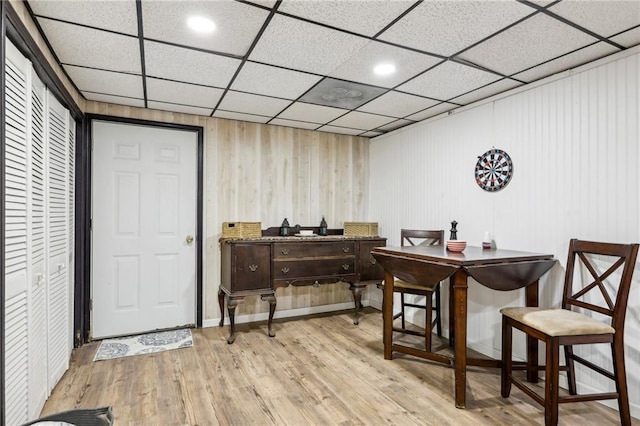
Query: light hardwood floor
(318, 370)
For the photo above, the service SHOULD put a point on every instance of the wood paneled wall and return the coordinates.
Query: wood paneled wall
(257, 172)
(574, 143)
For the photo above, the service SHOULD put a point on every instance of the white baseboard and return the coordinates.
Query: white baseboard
(263, 316)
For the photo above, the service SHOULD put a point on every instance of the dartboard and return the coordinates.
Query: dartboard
(494, 170)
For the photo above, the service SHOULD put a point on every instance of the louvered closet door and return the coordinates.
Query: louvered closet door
(59, 306)
(16, 290)
(38, 378)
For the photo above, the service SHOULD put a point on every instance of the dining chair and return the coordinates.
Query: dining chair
(431, 305)
(589, 314)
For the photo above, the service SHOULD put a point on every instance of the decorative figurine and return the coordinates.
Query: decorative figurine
(284, 228)
(323, 227)
(454, 231)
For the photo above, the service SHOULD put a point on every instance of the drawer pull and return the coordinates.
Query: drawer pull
(316, 284)
(253, 268)
(345, 249)
(373, 261)
(345, 266)
(285, 251)
(285, 270)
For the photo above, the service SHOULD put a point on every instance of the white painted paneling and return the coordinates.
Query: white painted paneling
(574, 144)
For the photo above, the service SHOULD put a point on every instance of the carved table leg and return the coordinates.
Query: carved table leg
(221, 303)
(232, 302)
(357, 299)
(271, 298)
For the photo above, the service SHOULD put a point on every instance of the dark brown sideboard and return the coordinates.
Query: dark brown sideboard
(259, 266)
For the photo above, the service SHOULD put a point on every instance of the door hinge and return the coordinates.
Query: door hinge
(90, 224)
(91, 304)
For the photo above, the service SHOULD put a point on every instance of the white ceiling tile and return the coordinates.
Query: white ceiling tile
(396, 104)
(293, 123)
(182, 93)
(566, 62)
(362, 17)
(163, 106)
(448, 80)
(487, 91)
(240, 117)
(188, 65)
(303, 46)
(252, 104)
(167, 21)
(265, 3)
(371, 134)
(360, 66)
(106, 82)
(629, 38)
(396, 125)
(87, 47)
(273, 81)
(118, 100)
(604, 18)
(361, 120)
(302, 111)
(119, 16)
(341, 130)
(541, 37)
(433, 111)
(446, 27)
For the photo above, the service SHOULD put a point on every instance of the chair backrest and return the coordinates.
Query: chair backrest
(419, 237)
(610, 267)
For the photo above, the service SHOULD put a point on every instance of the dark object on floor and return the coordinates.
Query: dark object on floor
(80, 417)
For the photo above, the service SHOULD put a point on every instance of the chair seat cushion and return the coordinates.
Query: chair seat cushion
(557, 322)
(399, 285)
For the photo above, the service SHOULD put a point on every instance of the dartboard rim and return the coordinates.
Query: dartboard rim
(501, 175)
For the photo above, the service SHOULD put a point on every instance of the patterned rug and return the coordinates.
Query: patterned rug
(144, 344)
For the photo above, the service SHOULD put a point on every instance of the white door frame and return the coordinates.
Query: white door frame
(86, 156)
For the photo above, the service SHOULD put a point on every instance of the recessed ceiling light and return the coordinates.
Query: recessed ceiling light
(201, 24)
(384, 69)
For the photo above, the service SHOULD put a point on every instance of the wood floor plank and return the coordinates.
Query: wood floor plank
(318, 370)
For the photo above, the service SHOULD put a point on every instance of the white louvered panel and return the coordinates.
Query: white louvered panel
(16, 363)
(15, 207)
(37, 174)
(574, 143)
(15, 171)
(38, 371)
(59, 292)
(58, 328)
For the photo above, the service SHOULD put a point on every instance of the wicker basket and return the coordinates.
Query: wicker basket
(361, 229)
(241, 229)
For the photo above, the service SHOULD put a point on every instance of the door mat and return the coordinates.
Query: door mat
(144, 344)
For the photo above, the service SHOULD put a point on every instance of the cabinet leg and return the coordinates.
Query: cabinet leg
(357, 300)
(231, 307)
(221, 303)
(271, 298)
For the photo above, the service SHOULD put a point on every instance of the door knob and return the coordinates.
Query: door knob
(189, 240)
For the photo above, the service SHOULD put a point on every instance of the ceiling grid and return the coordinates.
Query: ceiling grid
(309, 63)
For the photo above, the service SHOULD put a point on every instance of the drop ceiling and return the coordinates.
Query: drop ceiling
(309, 64)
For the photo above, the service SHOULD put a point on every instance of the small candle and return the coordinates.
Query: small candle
(486, 240)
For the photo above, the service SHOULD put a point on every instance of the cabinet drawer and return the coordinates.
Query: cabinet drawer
(317, 249)
(295, 269)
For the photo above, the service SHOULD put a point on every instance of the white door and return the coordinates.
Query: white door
(144, 186)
